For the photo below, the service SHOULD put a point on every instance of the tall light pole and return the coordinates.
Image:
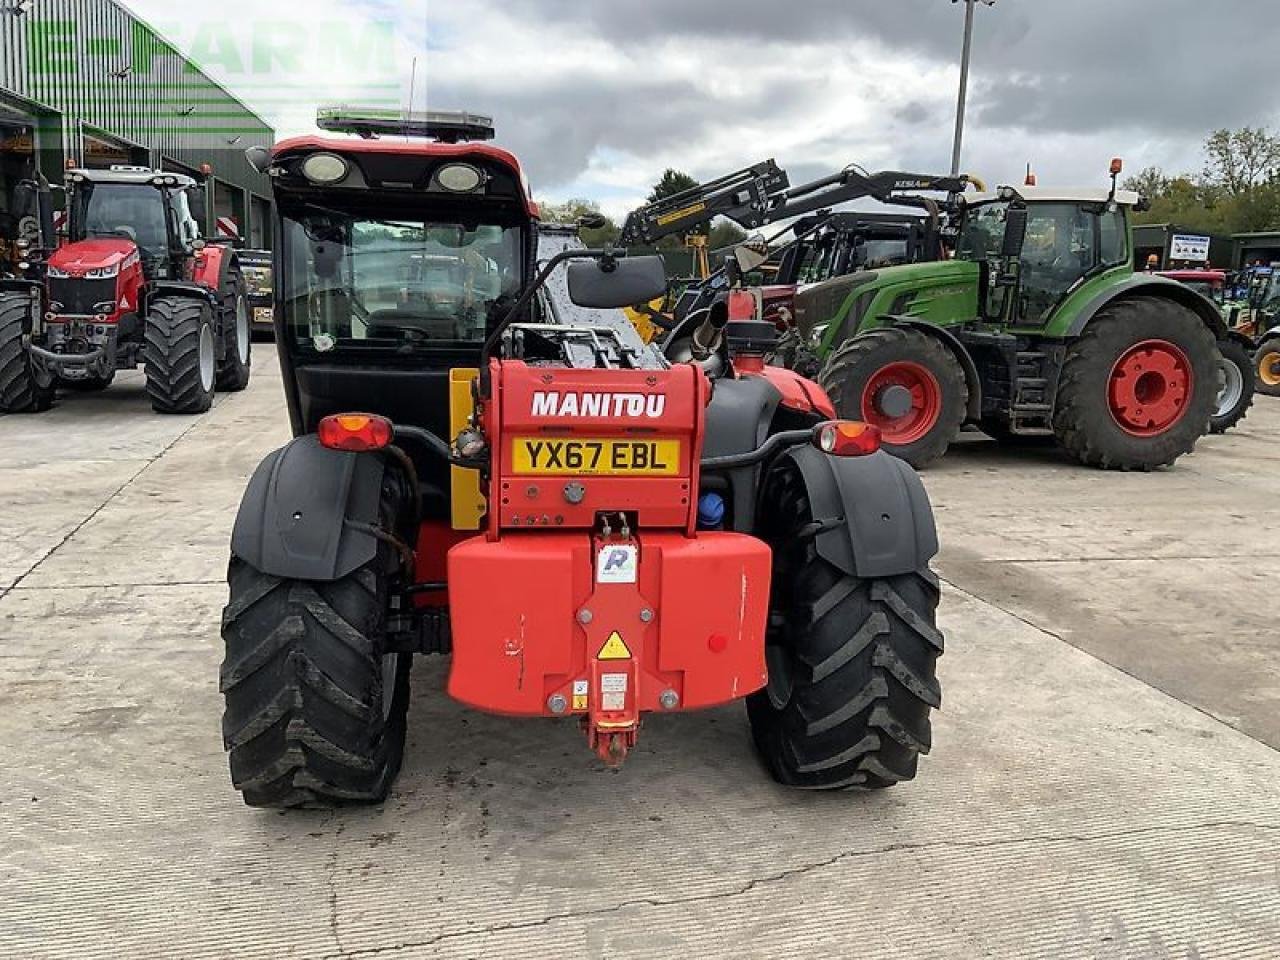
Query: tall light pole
(964, 79)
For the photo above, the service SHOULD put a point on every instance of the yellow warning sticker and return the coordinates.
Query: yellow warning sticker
(680, 214)
(579, 695)
(614, 648)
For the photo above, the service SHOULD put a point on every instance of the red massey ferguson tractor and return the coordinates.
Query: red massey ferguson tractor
(488, 463)
(134, 284)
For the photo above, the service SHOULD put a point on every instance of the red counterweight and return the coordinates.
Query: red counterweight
(592, 593)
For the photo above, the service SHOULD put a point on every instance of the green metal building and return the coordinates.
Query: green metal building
(86, 83)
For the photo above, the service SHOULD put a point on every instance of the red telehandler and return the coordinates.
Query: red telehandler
(594, 528)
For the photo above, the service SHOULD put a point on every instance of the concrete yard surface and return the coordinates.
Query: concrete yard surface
(1105, 780)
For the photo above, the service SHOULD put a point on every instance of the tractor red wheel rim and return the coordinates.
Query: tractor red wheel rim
(1150, 388)
(918, 380)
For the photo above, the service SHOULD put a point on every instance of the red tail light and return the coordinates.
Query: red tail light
(846, 438)
(356, 432)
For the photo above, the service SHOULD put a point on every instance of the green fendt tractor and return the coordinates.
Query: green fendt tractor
(1037, 327)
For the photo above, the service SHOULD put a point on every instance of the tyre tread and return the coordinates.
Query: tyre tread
(859, 710)
(19, 391)
(171, 355)
(304, 719)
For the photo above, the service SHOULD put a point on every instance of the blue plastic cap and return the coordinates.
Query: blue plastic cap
(710, 510)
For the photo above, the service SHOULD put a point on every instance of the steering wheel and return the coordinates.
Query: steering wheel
(128, 231)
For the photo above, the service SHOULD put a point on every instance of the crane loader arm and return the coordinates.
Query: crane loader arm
(742, 196)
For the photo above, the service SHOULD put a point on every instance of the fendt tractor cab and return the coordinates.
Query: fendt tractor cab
(134, 284)
(489, 462)
(1037, 327)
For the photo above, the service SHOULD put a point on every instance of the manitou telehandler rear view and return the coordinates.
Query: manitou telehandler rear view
(489, 463)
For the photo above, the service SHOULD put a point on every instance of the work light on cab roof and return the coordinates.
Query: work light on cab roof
(445, 126)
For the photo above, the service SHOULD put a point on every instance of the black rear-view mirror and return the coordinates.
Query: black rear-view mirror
(610, 284)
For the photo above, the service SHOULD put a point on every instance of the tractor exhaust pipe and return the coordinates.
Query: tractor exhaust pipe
(708, 335)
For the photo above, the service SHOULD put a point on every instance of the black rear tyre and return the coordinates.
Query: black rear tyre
(1266, 365)
(852, 677)
(1235, 396)
(315, 708)
(875, 375)
(1094, 428)
(180, 355)
(237, 336)
(23, 389)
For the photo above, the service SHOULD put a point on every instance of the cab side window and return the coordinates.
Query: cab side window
(1062, 246)
(1115, 241)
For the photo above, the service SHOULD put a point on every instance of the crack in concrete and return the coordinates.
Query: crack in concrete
(1204, 712)
(1036, 561)
(331, 882)
(120, 586)
(797, 871)
(99, 508)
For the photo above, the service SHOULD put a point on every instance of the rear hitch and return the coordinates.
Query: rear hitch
(611, 746)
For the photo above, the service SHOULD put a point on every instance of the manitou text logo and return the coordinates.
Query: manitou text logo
(651, 405)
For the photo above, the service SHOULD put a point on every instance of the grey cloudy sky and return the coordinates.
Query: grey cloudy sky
(599, 96)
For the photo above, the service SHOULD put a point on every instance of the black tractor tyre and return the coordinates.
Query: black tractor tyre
(852, 662)
(851, 368)
(1266, 365)
(237, 335)
(1083, 420)
(180, 355)
(22, 388)
(315, 710)
(1238, 382)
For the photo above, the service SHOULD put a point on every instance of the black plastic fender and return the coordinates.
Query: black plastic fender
(873, 514)
(20, 285)
(307, 510)
(183, 288)
(738, 419)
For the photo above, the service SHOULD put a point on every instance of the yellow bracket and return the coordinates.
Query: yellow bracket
(467, 504)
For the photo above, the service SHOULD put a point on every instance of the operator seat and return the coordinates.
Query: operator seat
(392, 322)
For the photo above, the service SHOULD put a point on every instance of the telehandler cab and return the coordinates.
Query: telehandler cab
(489, 463)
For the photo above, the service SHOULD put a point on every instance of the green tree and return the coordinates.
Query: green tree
(1237, 191)
(725, 233)
(1240, 161)
(572, 210)
(670, 183)
(1150, 183)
